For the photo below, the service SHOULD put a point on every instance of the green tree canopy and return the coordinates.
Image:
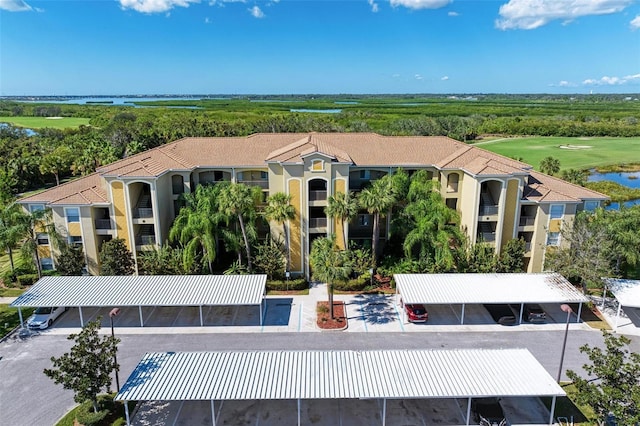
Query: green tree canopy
(612, 384)
(344, 207)
(116, 259)
(70, 261)
(550, 165)
(87, 368)
(328, 264)
(280, 210)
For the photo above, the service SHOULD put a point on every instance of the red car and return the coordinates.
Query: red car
(417, 313)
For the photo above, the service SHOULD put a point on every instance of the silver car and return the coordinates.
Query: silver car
(43, 317)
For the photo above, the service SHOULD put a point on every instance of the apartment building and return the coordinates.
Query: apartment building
(137, 198)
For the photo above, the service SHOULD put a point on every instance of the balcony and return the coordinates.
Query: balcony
(527, 246)
(145, 240)
(317, 195)
(488, 210)
(527, 220)
(103, 224)
(317, 222)
(487, 237)
(264, 184)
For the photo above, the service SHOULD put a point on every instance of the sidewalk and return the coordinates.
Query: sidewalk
(7, 300)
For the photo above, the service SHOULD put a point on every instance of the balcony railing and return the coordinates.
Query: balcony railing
(264, 184)
(527, 220)
(103, 224)
(145, 240)
(487, 237)
(317, 222)
(488, 210)
(317, 195)
(452, 187)
(527, 246)
(142, 212)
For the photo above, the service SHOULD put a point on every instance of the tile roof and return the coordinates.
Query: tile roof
(545, 188)
(87, 190)
(358, 149)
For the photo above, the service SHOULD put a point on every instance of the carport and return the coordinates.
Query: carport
(626, 292)
(303, 375)
(464, 289)
(145, 290)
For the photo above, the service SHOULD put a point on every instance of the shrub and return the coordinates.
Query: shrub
(283, 285)
(27, 279)
(86, 416)
(357, 284)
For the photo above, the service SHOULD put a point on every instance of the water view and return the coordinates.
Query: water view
(628, 179)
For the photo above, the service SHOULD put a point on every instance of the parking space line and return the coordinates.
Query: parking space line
(175, 420)
(399, 317)
(364, 319)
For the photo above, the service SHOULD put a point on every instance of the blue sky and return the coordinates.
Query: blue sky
(117, 47)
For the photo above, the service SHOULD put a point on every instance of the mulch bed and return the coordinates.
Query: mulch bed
(324, 320)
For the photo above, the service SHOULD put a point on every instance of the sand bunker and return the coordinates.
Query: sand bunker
(575, 146)
(53, 118)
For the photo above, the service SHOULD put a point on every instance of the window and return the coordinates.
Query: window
(264, 175)
(317, 165)
(365, 174)
(557, 211)
(73, 215)
(591, 205)
(75, 240)
(35, 207)
(46, 263)
(42, 239)
(177, 184)
(364, 219)
(553, 239)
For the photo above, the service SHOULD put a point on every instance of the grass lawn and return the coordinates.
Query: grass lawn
(586, 153)
(9, 318)
(41, 122)
(566, 407)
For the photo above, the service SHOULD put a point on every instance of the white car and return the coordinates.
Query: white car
(43, 317)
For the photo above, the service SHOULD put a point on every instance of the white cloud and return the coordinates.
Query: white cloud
(445, 78)
(155, 6)
(612, 81)
(635, 23)
(420, 4)
(207, 20)
(256, 12)
(452, 13)
(418, 77)
(15, 6)
(531, 14)
(374, 6)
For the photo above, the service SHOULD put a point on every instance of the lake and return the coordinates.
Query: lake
(111, 100)
(628, 179)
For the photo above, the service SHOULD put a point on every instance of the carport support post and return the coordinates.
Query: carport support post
(553, 409)
(298, 411)
(468, 411)
(201, 321)
(126, 413)
(462, 314)
(213, 413)
(521, 312)
(384, 411)
(20, 315)
(579, 312)
(261, 313)
(81, 318)
(617, 316)
(141, 320)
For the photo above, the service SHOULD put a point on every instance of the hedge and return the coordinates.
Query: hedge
(283, 285)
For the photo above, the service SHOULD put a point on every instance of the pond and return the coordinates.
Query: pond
(628, 179)
(29, 132)
(321, 111)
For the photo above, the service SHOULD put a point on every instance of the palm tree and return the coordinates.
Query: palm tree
(196, 227)
(434, 229)
(240, 201)
(31, 225)
(328, 264)
(377, 199)
(342, 206)
(550, 165)
(11, 229)
(280, 210)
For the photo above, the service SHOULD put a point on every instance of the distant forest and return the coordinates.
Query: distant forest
(31, 161)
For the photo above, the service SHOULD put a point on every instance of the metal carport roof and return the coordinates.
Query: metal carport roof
(296, 375)
(440, 289)
(626, 292)
(145, 290)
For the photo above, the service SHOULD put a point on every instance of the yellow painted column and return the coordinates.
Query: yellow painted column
(120, 212)
(295, 231)
(339, 186)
